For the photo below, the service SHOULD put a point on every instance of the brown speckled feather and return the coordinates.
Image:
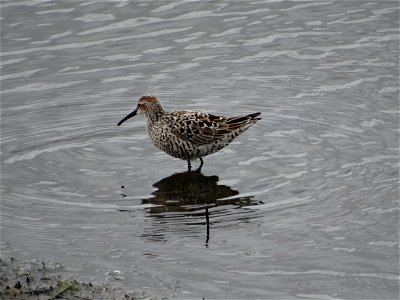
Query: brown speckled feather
(201, 128)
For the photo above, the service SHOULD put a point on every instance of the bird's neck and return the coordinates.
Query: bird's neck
(155, 115)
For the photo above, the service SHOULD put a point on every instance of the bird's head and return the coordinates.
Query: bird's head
(146, 105)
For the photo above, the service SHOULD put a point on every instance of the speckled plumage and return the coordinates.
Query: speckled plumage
(189, 135)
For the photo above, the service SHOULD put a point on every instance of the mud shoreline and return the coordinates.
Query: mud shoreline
(45, 281)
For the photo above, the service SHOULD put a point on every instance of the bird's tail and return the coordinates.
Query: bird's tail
(254, 116)
(237, 122)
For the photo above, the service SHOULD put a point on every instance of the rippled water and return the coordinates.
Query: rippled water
(303, 205)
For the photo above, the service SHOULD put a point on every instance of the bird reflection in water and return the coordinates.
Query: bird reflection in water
(183, 192)
(193, 194)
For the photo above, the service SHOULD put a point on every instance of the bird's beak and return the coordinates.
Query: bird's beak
(132, 114)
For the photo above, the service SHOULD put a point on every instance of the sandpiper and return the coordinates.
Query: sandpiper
(189, 135)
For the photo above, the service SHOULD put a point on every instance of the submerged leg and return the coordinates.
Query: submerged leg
(189, 165)
(201, 165)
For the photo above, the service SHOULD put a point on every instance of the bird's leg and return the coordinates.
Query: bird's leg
(201, 165)
(189, 165)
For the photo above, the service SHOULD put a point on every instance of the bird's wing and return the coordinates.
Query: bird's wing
(202, 128)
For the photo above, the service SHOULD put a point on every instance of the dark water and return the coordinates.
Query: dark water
(304, 205)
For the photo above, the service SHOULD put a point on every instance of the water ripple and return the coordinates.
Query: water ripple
(20, 74)
(273, 37)
(95, 17)
(95, 42)
(123, 24)
(321, 272)
(41, 86)
(54, 11)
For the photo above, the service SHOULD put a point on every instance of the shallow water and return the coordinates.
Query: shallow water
(302, 205)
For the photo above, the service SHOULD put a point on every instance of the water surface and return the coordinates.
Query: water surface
(303, 205)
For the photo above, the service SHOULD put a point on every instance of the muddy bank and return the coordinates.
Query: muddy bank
(45, 281)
